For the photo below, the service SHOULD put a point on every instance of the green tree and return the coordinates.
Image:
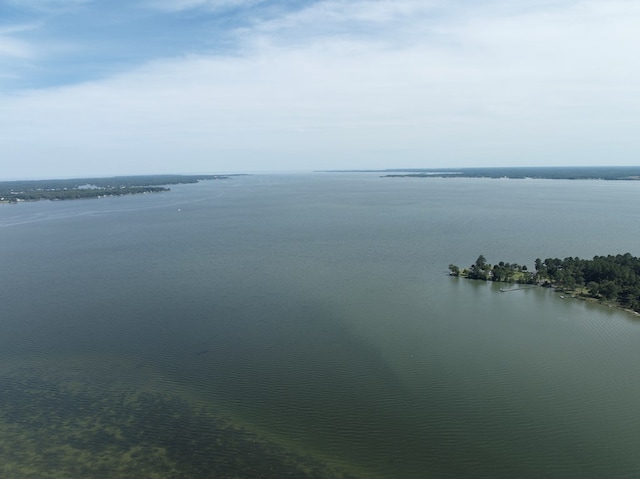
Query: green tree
(538, 264)
(481, 262)
(609, 289)
(593, 288)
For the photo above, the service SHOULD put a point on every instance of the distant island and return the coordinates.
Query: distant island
(614, 280)
(77, 188)
(539, 172)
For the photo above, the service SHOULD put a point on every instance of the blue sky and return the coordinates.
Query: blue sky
(97, 87)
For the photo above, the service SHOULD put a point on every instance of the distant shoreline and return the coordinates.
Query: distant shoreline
(624, 173)
(12, 192)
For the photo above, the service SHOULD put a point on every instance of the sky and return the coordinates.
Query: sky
(111, 87)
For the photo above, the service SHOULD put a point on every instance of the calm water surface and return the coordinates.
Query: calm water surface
(315, 312)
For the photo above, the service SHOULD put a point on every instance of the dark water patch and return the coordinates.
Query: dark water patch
(295, 369)
(53, 430)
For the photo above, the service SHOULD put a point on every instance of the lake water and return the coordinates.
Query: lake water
(305, 326)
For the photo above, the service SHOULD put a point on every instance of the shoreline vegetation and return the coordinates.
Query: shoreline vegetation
(533, 172)
(611, 280)
(72, 189)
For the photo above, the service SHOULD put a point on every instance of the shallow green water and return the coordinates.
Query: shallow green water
(312, 315)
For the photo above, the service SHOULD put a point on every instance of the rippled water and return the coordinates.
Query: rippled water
(313, 314)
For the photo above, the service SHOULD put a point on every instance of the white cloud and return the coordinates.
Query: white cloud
(178, 5)
(483, 87)
(47, 5)
(11, 47)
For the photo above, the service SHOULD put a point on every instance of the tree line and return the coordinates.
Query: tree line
(608, 278)
(520, 172)
(75, 188)
(78, 193)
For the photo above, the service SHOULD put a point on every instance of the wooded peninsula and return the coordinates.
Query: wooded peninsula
(614, 280)
(73, 189)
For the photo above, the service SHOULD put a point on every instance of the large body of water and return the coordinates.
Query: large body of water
(166, 335)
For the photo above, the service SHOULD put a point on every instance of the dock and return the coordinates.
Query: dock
(503, 290)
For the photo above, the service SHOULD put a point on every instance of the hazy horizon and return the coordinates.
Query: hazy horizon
(303, 172)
